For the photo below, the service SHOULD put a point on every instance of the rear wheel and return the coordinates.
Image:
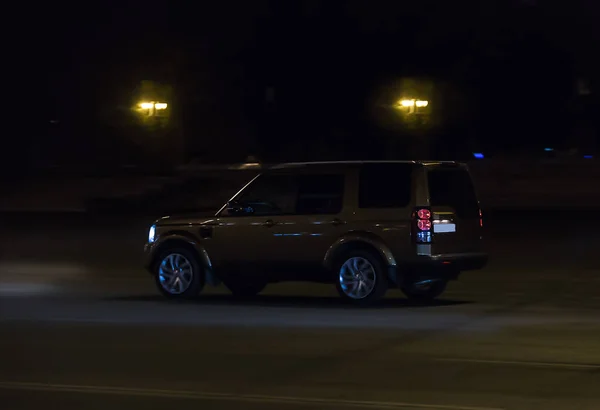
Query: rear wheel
(361, 277)
(425, 290)
(178, 274)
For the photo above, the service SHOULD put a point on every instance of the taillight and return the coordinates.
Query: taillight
(480, 219)
(422, 225)
(424, 214)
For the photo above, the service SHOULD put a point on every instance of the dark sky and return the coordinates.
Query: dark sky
(120, 42)
(324, 57)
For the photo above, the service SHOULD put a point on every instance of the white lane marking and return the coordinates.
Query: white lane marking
(524, 363)
(186, 394)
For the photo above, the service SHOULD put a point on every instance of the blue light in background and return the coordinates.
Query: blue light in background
(478, 155)
(588, 156)
(548, 149)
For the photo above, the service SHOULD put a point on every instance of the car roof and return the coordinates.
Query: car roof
(356, 163)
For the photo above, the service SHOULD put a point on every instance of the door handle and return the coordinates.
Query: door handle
(337, 222)
(269, 223)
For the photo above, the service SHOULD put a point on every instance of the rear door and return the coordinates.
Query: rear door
(301, 240)
(455, 210)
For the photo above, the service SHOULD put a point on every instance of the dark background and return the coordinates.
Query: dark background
(81, 322)
(312, 79)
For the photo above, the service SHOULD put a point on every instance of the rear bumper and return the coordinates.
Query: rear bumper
(442, 266)
(456, 261)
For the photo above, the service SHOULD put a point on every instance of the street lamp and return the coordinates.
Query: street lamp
(153, 106)
(412, 105)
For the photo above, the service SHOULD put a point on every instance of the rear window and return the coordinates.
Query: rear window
(453, 187)
(385, 185)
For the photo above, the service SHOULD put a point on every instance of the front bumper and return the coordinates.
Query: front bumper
(149, 255)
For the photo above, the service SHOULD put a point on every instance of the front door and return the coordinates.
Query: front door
(243, 244)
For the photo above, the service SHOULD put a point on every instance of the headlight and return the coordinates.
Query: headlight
(151, 233)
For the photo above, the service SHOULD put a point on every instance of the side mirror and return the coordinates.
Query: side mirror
(237, 208)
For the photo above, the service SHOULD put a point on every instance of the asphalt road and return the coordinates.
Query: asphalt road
(81, 326)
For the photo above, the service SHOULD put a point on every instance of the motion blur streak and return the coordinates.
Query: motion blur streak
(230, 397)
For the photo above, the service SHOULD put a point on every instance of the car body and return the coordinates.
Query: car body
(363, 225)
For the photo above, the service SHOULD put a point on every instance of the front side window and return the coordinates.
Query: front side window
(280, 194)
(270, 194)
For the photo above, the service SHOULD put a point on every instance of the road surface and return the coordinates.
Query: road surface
(81, 326)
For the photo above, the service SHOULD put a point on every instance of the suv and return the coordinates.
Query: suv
(363, 226)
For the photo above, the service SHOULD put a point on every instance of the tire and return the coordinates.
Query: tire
(424, 294)
(245, 290)
(371, 283)
(185, 267)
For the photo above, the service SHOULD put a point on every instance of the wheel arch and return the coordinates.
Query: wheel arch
(358, 240)
(182, 239)
(362, 241)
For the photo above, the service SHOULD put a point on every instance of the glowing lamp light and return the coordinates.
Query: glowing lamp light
(548, 149)
(413, 103)
(478, 155)
(155, 105)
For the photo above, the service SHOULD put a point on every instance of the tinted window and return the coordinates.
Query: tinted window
(271, 195)
(453, 187)
(385, 185)
(320, 194)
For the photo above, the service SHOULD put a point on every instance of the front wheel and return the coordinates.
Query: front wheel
(424, 291)
(361, 277)
(178, 274)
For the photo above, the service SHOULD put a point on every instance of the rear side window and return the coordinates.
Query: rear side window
(385, 185)
(320, 194)
(453, 187)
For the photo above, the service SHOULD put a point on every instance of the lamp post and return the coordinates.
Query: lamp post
(415, 116)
